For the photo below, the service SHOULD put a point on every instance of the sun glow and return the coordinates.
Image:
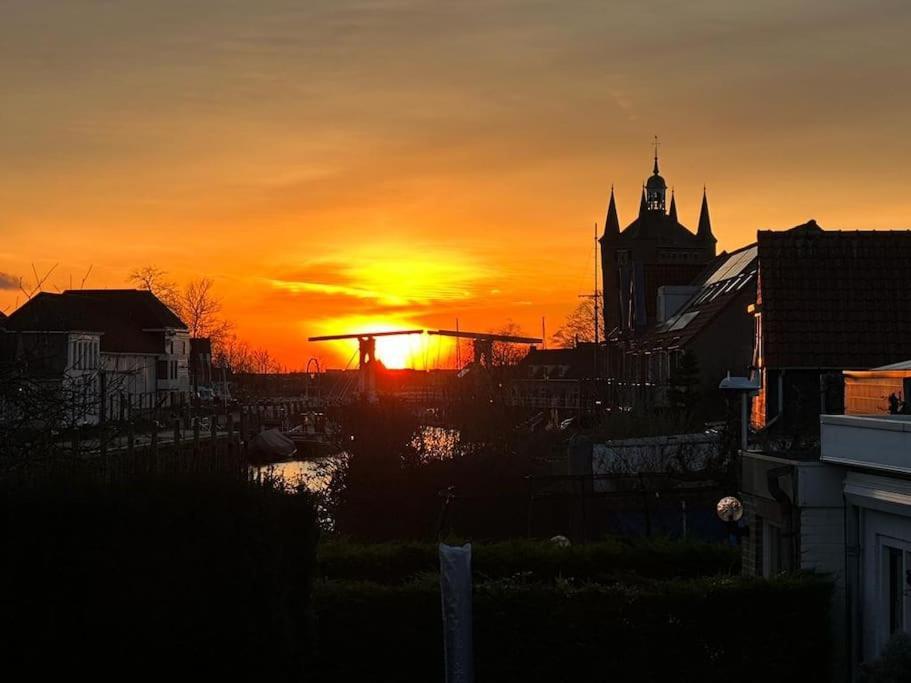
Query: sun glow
(415, 351)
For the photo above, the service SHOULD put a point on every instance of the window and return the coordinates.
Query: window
(895, 587)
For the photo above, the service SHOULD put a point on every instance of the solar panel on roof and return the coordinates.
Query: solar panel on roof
(745, 280)
(684, 320)
(733, 265)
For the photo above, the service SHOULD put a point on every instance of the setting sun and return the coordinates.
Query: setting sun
(415, 351)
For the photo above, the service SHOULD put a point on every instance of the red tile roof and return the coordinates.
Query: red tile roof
(834, 299)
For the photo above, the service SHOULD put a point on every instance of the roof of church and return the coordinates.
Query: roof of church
(656, 181)
(834, 298)
(657, 225)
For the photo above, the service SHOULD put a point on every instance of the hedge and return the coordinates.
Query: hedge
(157, 577)
(605, 561)
(717, 629)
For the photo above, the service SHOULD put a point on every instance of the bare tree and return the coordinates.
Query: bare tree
(195, 304)
(156, 280)
(579, 326)
(201, 310)
(46, 399)
(233, 354)
(504, 354)
(263, 362)
(31, 290)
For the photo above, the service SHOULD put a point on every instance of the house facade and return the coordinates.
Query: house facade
(56, 375)
(141, 349)
(846, 514)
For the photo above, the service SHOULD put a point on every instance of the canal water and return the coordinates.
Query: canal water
(315, 474)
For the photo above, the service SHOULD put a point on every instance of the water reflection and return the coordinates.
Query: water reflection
(314, 475)
(436, 443)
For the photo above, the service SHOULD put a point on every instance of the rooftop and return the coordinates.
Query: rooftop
(730, 277)
(834, 298)
(877, 442)
(124, 316)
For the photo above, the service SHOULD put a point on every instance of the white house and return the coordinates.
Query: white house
(55, 374)
(133, 346)
(873, 453)
(846, 513)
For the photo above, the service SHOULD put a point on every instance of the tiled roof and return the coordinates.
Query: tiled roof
(124, 316)
(834, 299)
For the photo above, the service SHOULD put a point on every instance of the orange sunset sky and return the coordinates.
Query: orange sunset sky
(347, 163)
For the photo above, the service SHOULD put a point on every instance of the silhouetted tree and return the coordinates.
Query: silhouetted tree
(579, 326)
(195, 303)
(156, 280)
(504, 354)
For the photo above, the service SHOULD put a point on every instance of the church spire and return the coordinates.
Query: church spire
(655, 169)
(643, 207)
(705, 223)
(673, 210)
(655, 187)
(612, 222)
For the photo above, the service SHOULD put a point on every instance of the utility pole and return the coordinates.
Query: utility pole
(596, 299)
(458, 348)
(595, 296)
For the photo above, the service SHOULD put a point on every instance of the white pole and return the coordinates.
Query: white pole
(455, 591)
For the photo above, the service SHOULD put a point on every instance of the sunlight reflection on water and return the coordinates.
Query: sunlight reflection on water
(314, 474)
(436, 443)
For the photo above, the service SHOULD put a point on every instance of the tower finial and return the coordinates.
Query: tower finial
(705, 224)
(656, 143)
(612, 222)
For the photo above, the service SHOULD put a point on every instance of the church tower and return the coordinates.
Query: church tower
(655, 188)
(653, 251)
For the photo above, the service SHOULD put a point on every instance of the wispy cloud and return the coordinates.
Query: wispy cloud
(8, 281)
(393, 277)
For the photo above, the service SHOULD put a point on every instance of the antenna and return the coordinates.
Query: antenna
(596, 284)
(458, 348)
(656, 143)
(595, 296)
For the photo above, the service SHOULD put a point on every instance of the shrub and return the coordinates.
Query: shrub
(717, 629)
(893, 665)
(155, 577)
(608, 560)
